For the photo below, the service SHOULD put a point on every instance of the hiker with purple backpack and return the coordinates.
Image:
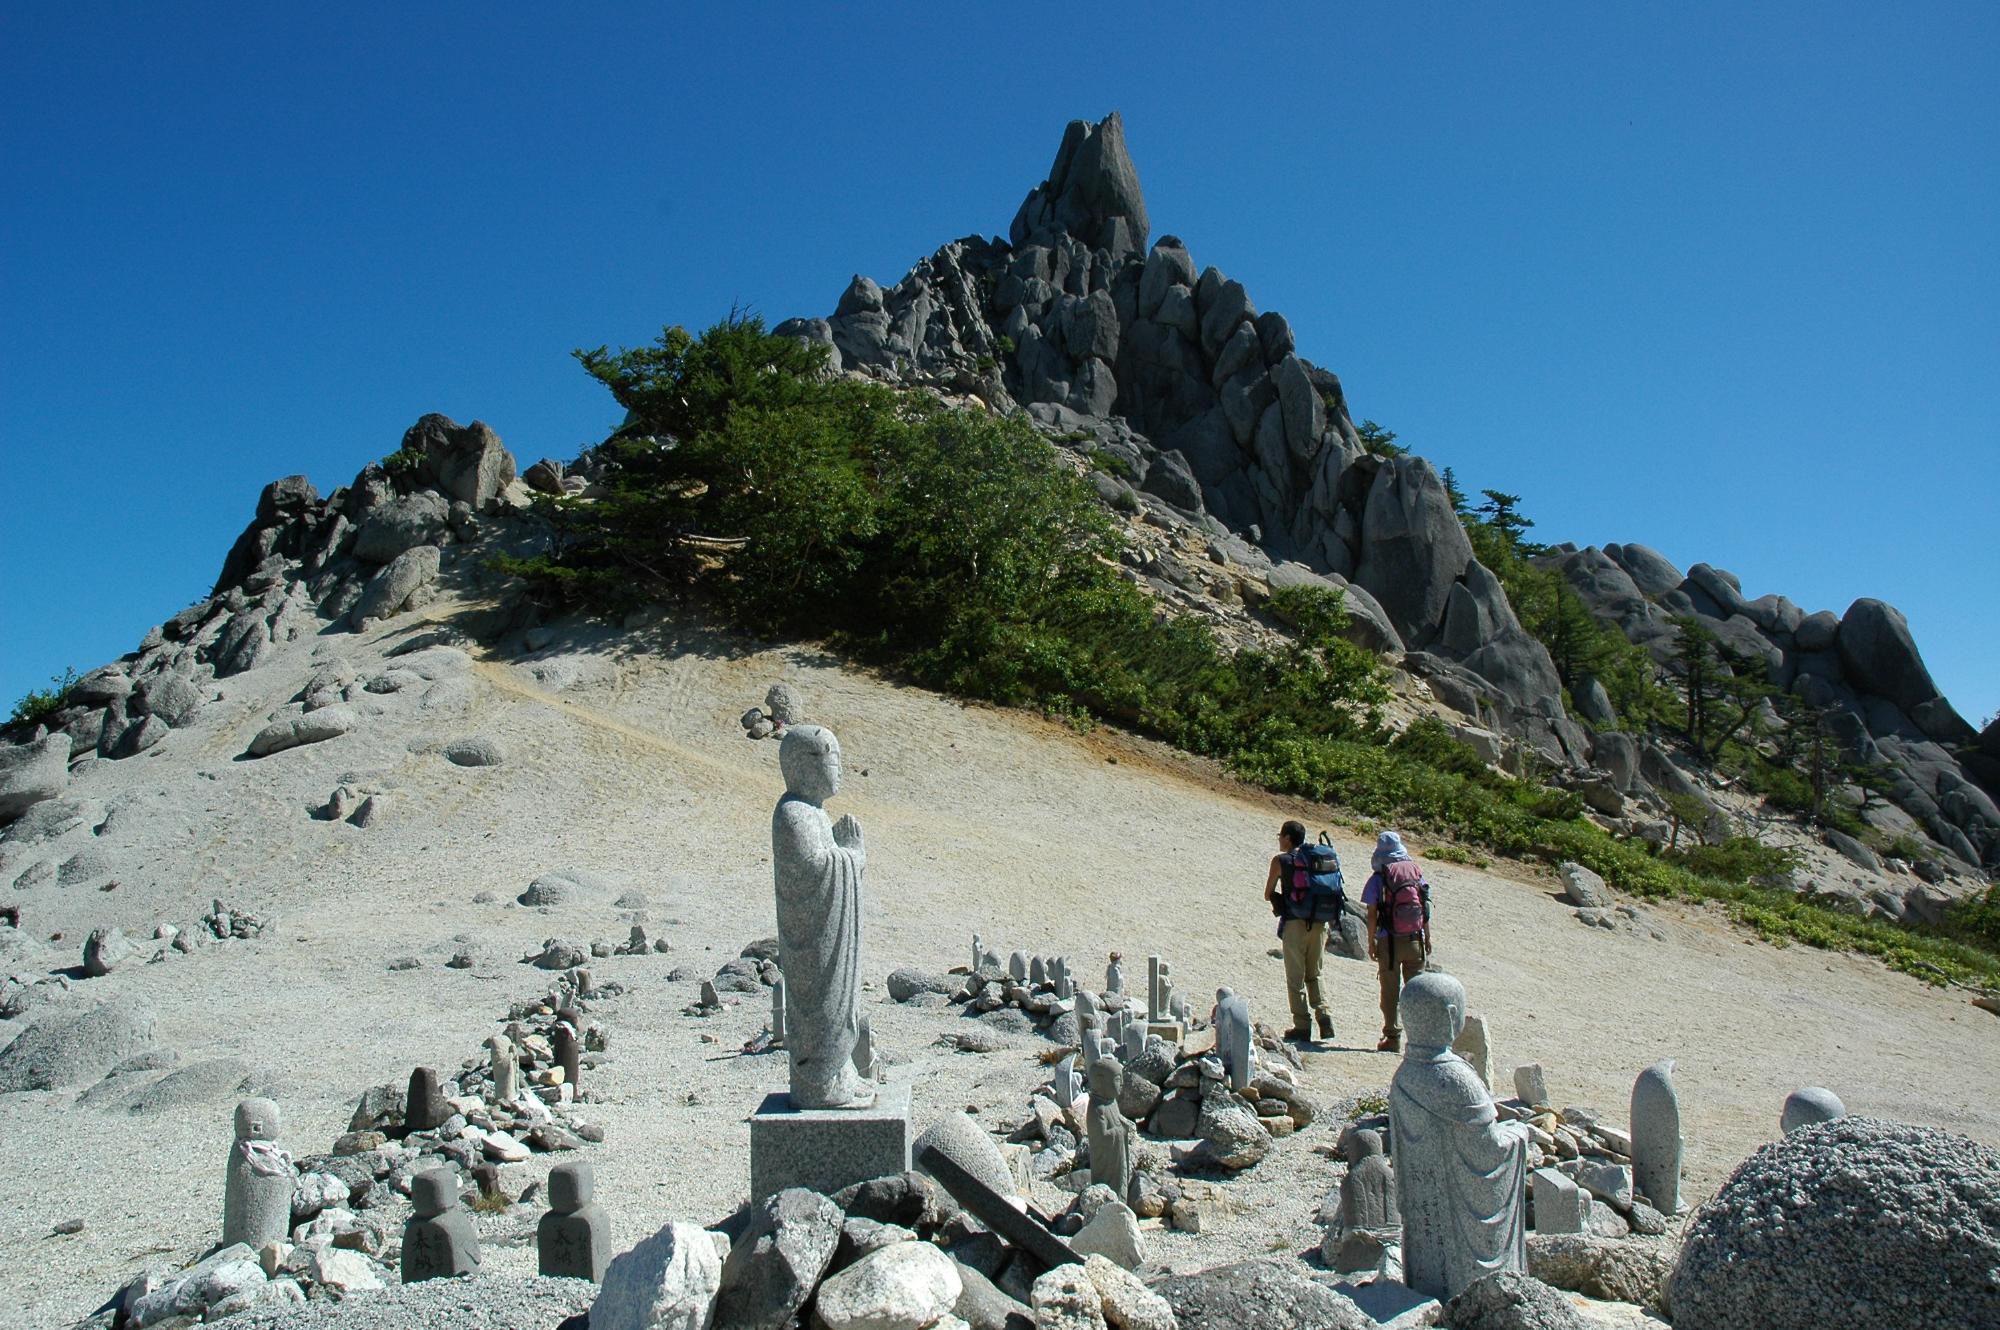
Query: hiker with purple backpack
(1399, 927)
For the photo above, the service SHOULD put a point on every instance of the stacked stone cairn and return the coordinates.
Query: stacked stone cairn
(325, 1226)
(1217, 1109)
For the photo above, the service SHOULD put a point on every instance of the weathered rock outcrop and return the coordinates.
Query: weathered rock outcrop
(1207, 405)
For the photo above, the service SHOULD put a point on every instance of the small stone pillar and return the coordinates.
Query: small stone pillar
(1656, 1137)
(778, 1011)
(506, 1069)
(573, 1240)
(1038, 972)
(440, 1240)
(425, 1109)
(257, 1189)
(1017, 966)
(562, 1041)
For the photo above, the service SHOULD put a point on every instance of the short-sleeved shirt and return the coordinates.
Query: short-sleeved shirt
(1371, 894)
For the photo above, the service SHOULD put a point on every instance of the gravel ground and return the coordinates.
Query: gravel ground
(625, 760)
(486, 1303)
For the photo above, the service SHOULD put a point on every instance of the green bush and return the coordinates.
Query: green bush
(38, 705)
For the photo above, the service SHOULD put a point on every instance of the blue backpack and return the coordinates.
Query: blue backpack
(1315, 888)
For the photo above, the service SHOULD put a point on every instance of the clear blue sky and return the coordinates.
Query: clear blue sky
(1717, 278)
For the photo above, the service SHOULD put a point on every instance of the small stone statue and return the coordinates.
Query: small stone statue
(573, 1240)
(506, 1069)
(1369, 1220)
(1805, 1107)
(440, 1239)
(778, 1011)
(1461, 1174)
(1111, 1133)
(1038, 972)
(424, 1108)
(1656, 1137)
(1232, 1038)
(818, 866)
(257, 1188)
(1017, 966)
(1114, 975)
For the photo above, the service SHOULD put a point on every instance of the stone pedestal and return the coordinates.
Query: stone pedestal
(827, 1149)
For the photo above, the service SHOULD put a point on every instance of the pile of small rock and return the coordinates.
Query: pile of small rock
(783, 707)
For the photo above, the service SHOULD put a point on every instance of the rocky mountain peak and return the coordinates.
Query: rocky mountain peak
(1092, 194)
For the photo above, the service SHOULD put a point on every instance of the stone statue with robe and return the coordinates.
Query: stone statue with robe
(1461, 1174)
(818, 866)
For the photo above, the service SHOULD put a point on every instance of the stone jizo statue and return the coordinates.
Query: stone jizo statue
(440, 1240)
(257, 1189)
(1112, 1136)
(818, 867)
(573, 1240)
(1114, 974)
(1461, 1173)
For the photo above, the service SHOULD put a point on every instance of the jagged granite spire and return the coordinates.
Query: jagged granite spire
(1092, 193)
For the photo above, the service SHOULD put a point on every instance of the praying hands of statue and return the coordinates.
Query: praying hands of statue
(847, 834)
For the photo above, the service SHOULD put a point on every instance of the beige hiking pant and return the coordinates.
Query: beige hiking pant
(1396, 964)
(1305, 947)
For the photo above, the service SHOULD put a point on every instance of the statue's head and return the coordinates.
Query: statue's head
(1104, 1080)
(256, 1120)
(1433, 1009)
(1362, 1143)
(809, 756)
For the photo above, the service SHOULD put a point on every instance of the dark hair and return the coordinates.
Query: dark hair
(1295, 832)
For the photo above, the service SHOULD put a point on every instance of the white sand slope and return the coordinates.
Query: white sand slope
(626, 760)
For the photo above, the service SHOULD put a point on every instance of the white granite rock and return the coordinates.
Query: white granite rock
(904, 1286)
(667, 1282)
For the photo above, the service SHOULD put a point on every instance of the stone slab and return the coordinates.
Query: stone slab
(1171, 1031)
(1392, 1306)
(828, 1149)
(1022, 1230)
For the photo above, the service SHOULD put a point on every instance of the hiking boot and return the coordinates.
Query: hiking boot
(1325, 1026)
(1298, 1032)
(1389, 1044)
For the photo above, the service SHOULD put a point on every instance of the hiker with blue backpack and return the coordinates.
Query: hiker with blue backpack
(1398, 898)
(1305, 891)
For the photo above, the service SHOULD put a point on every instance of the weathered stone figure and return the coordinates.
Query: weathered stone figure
(1656, 1137)
(257, 1189)
(1232, 1037)
(506, 1069)
(1111, 1133)
(573, 1240)
(1114, 974)
(1369, 1219)
(440, 1239)
(1461, 1174)
(1017, 966)
(818, 869)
